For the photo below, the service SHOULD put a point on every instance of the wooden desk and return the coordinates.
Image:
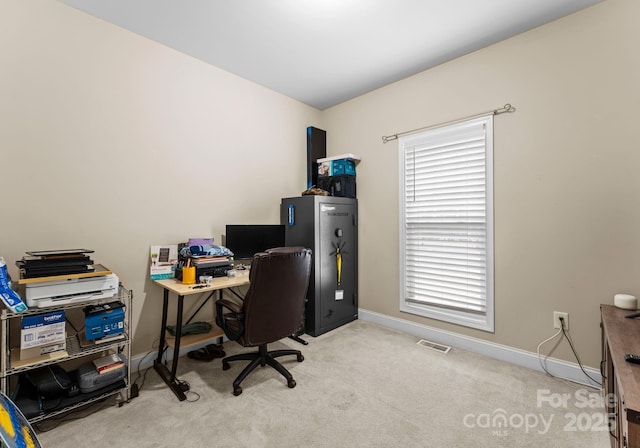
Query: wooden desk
(621, 379)
(218, 284)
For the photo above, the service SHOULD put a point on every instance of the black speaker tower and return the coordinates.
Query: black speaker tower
(316, 149)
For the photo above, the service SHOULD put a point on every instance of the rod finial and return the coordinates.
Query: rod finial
(388, 138)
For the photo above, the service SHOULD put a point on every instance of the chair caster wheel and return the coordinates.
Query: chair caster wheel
(300, 358)
(226, 366)
(291, 383)
(237, 390)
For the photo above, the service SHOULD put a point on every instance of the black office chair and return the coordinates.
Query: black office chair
(272, 309)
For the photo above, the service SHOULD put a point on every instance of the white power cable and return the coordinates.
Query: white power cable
(541, 344)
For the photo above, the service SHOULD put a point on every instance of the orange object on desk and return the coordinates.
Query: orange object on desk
(189, 275)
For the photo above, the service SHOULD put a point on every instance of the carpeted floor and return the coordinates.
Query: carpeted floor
(361, 385)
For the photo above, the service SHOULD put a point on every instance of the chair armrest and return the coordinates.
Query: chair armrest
(234, 307)
(236, 314)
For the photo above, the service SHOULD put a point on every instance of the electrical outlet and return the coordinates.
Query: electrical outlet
(556, 320)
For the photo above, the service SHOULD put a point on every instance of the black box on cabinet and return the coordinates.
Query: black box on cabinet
(343, 186)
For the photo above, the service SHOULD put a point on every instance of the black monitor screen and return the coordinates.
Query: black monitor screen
(244, 240)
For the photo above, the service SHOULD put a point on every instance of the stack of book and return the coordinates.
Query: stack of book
(108, 363)
(204, 261)
(206, 265)
(48, 263)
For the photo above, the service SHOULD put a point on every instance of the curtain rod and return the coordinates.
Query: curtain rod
(507, 108)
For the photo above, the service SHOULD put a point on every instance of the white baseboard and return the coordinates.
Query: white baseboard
(556, 367)
(144, 361)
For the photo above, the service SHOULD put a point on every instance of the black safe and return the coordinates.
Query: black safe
(329, 227)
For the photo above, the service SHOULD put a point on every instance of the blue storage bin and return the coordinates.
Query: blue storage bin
(337, 168)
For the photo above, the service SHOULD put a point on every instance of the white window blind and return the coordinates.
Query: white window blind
(446, 223)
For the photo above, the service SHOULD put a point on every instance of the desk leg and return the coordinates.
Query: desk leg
(169, 377)
(220, 340)
(163, 327)
(176, 348)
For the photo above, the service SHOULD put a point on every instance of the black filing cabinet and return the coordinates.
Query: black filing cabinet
(329, 227)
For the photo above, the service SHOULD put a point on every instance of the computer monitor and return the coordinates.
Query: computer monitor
(244, 240)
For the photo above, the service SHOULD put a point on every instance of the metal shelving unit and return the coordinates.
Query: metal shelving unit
(73, 350)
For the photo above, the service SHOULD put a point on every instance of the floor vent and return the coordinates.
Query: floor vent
(433, 346)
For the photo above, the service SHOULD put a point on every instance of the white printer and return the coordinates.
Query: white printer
(63, 292)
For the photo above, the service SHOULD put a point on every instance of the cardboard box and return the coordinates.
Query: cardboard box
(101, 322)
(164, 260)
(42, 334)
(336, 168)
(340, 165)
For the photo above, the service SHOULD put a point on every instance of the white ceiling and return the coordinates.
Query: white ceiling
(324, 52)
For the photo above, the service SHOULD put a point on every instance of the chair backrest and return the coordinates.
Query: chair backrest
(274, 304)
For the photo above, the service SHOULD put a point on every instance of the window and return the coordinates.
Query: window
(446, 223)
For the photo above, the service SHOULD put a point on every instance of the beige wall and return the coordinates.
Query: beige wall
(112, 142)
(567, 172)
